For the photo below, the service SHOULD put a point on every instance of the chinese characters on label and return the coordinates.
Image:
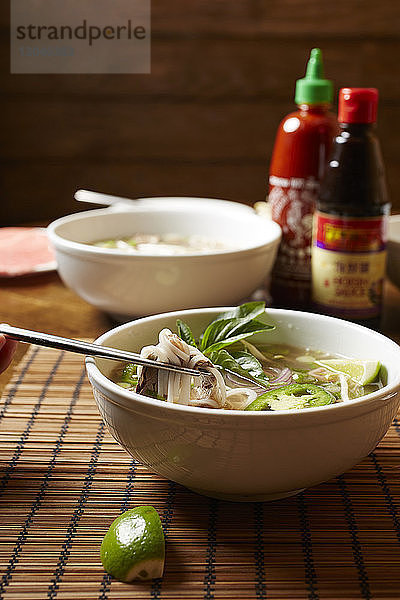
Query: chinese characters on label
(348, 264)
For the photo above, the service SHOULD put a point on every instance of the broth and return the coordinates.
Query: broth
(244, 375)
(168, 244)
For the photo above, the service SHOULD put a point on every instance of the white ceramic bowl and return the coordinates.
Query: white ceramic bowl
(129, 285)
(393, 247)
(241, 455)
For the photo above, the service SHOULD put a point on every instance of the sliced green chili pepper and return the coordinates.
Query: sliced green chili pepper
(303, 377)
(129, 375)
(294, 396)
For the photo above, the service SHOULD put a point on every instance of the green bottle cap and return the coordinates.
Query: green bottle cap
(313, 88)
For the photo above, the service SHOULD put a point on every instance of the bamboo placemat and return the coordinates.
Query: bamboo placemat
(63, 479)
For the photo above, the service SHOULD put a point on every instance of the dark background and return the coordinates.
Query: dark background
(203, 123)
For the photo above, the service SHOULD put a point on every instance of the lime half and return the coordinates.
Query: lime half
(361, 371)
(134, 546)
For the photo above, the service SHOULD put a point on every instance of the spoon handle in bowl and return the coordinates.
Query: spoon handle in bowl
(99, 198)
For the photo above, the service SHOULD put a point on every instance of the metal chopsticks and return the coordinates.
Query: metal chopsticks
(71, 345)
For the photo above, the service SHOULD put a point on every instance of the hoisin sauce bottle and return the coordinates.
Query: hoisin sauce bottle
(350, 223)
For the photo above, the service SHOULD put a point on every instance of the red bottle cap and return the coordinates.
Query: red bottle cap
(358, 105)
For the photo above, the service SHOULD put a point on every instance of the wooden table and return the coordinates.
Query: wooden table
(43, 303)
(63, 479)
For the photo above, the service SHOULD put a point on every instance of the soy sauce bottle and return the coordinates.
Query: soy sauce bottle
(350, 223)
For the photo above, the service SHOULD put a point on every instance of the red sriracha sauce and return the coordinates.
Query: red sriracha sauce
(302, 146)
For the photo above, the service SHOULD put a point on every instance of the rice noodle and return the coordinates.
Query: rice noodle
(235, 398)
(344, 387)
(183, 389)
(255, 351)
(269, 366)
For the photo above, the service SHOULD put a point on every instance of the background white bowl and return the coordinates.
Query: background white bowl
(129, 285)
(393, 262)
(242, 455)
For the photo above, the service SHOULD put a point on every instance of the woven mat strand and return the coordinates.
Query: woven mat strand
(63, 479)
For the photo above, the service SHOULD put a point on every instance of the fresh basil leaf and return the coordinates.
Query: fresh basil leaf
(247, 312)
(250, 364)
(224, 333)
(226, 361)
(227, 329)
(185, 333)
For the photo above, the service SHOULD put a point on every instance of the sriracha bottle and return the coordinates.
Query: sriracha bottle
(299, 157)
(350, 224)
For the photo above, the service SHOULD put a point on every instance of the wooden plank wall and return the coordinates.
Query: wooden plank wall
(203, 122)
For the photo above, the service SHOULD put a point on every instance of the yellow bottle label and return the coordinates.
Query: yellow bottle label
(348, 265)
